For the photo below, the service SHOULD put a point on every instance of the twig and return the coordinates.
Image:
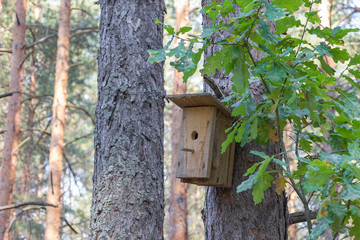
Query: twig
(84, 110)
(214, 87)
(69, 224)
(7, 94)
(78, 138)
(299, 217)
(18, 205)
(303, 34)
(72, 171)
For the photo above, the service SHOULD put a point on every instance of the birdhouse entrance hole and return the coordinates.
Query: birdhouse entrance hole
(194, 135)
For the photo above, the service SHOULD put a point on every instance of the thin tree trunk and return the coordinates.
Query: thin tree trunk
(29, 126)
(128, 191)
(58, 123)
(178, 190)
(231, 215)
(11, 137)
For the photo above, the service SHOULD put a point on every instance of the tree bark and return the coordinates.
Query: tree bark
(128, 191)
(58, 123)
(178, 190)
(231, 215)
(11, 137)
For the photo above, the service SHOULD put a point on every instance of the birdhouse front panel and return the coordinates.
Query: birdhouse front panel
(222, 164)
(197, 142)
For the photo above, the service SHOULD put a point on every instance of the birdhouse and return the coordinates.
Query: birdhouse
(204, 122)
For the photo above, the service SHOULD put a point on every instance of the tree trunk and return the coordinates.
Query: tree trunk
(58, 122)
(29, 126)
(11, 137)
(178, 190)
(231, 215)
(128, 191)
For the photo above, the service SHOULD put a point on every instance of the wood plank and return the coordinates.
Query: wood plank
(199, 100)
(197, 142)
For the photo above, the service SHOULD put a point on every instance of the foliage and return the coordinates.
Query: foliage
(301, 88)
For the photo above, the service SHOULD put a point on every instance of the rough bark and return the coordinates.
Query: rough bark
(58, 123)
(231, 215)
(128, 191)
(11, 136)
(178, 190)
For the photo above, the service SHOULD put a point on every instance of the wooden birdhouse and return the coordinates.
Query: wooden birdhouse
(202, 132)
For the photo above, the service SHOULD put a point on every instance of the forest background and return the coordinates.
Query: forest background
(31, 178)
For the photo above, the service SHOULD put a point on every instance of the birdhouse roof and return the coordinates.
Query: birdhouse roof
(199, 100)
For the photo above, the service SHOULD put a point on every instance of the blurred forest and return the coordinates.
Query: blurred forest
(32, 170)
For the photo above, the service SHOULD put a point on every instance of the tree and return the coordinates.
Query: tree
(178, 190)
(9, 154)
(231, 215)
(128, 194)
(58, 122)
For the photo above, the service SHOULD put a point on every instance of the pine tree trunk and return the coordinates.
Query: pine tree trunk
(11, 137)
(231, 215)
(128, 191)
(178, 190)
(29, 126)
(58, 123)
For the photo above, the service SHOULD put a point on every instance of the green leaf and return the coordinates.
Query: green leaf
(241, 75)
(263, 183)
(229, 138)
(252, 169)
(226, 8)
(354, 60)
(208, 31)
(319, 172)
(312, 17)
(260, 154)
(283, 24)
(180, 50)
(320, 228)
(305, 145)
(355, 230)
(195, 59)
(273, 12)
(263, 167)
(339, 54)
(246, 184)
(184, 30)
(351, 192)
(355, 170)
(291, 6)
(329, 70)
(168, 28)
(354, 149)
(337, 213)
(265, 33)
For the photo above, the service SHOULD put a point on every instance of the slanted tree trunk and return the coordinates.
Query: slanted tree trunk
(231, 215)
(178, 190)
(58, 123)
(128, 191)
(11, 137)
